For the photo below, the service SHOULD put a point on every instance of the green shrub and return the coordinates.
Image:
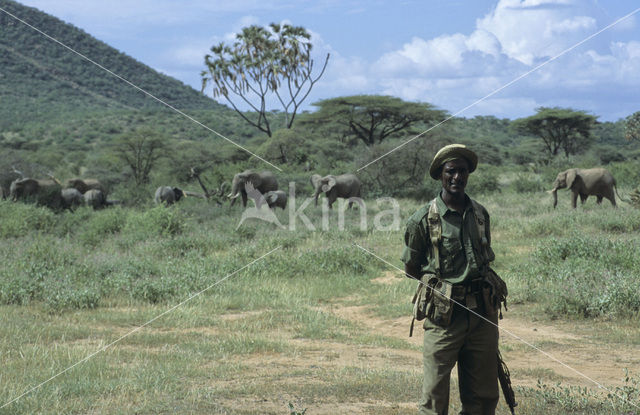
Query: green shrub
(18, 219)
(527, 184)
(101, 224)
(585, 277)
(158, 221)
(484, 180)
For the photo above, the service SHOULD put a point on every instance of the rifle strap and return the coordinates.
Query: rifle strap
(435, 233)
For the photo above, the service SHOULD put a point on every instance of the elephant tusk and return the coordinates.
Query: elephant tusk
(233, 196)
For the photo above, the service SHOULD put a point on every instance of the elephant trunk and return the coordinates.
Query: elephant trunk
(317, 193)
(554, 192)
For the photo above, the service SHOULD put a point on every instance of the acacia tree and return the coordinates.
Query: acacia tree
(632, 126)
(259, 64)
(140, 150)
(372, 118)
(559, 128)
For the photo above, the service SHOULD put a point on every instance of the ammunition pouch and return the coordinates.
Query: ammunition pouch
(440, 308)
(494, 293)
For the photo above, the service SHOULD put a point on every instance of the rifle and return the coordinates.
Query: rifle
(505, 383)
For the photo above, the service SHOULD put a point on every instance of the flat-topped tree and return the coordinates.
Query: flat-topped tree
(373, 118)
(559, 128)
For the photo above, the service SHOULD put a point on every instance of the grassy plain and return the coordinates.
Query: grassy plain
(317, 324)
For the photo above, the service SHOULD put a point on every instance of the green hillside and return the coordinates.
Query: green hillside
(61, 113)
(41, 79)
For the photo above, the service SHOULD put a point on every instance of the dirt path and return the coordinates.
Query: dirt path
(552, 353)
(532, 350)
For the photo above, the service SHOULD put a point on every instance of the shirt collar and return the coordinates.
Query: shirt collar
(442, 207)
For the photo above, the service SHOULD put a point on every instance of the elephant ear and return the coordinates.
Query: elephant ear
(315, 180)
(255, 179)
(272, 197)
(572, 175)
(328, 183)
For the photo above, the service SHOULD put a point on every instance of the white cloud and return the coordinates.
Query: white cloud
(536, 29)
(456, 70)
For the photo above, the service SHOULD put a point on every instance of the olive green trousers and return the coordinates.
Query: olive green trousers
(472, 342)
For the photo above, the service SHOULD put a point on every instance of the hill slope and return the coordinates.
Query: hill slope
(40, 78)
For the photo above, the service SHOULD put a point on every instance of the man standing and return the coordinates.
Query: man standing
(448, 247)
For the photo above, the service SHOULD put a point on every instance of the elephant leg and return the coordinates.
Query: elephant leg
(574, 199)
(583, 197)
(612, 199)
(599, 199)
(332, 198)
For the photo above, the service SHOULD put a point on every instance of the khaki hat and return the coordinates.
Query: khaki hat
(452, 152)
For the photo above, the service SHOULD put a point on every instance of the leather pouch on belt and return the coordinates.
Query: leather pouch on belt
(440, 308)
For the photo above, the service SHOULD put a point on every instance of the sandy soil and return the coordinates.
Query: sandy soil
(532, 350)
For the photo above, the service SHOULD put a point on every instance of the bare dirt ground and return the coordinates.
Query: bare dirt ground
(533, 350)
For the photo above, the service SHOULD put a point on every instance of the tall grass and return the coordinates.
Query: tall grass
(72, 282)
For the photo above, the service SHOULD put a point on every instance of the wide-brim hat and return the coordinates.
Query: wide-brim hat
(452, 152)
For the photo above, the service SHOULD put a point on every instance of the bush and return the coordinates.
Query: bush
(158, 221)
(527, 184)
(19, 219)
(484, 180)
(585, 277)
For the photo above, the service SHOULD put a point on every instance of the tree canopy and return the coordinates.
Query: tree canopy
(632, 126)
(559, 128)
(262, 63)
(373, 118)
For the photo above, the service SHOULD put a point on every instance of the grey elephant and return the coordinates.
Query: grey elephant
(584, 183)
(71, 198)
(263, 181)
(83, 185)
(345, 186)
(276, 198)
(97, 200)
(168, 195)
(42, 192)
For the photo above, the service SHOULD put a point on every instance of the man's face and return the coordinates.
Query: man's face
(455, 174)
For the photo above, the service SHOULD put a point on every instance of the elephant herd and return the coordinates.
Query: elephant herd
(262, 187)
(51, 193)
(249, 183)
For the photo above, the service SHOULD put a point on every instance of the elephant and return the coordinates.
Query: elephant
(97, 200)
(71, 198)
(168, 195)
(83, 185)
(345, 186)
(584, 183)
(276, 198)
(263, 181)
(43, 192)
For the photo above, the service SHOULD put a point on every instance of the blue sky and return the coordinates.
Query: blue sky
(445, 52)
